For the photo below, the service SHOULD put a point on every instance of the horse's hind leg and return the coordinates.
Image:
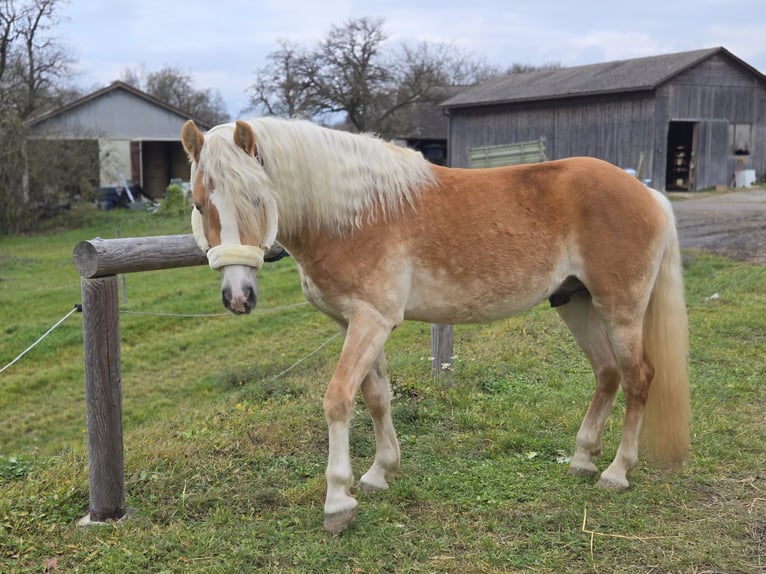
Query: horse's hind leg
(637, 374)
(589, 332)
(377, 396)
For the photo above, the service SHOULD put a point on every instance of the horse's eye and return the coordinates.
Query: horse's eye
(198, 207)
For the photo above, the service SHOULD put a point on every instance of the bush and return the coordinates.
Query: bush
(175, 202)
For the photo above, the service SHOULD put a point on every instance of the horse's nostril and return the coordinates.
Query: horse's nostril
(226, 297)
(250, 296)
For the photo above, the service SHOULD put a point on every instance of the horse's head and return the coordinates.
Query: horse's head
(234, 214)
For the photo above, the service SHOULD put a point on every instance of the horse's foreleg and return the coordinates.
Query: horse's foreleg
(377, 396)
(366, 334)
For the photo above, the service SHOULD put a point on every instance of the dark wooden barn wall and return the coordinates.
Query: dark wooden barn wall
(619, 127)
(616, 129)
(713, 93)
(714, 90)
(759, 136)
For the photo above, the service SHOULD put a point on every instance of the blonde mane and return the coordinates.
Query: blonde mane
(312, 176)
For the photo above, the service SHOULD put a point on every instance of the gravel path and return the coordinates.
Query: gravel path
(731, 224)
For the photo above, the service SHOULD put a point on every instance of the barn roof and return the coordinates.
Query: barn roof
(594, 79)
(115, 86)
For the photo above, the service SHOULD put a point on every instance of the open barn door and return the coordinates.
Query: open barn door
(681, 171)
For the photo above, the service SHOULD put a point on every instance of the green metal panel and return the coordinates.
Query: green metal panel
(508, 154)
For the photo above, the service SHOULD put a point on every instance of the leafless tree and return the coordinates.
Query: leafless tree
(353, 75)
(176, 88)
(284, 86)
(32, 66)
(353, 72)
(518, 68)
(31, 62)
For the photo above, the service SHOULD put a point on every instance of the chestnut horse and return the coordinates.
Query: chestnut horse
(380, 235)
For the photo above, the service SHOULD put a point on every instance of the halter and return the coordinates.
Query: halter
(223, 255)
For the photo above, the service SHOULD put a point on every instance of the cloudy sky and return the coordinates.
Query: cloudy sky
(222, 43)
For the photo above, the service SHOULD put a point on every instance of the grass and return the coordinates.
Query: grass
(225, 460)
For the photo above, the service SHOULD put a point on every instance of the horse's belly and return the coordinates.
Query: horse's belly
(473, 301)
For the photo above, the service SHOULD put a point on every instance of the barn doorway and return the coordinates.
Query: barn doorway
(681, 171)
(161, 161)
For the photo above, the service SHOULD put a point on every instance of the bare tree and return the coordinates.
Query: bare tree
(32, 66)
(176, 88)
(518, 68)
(353, 75)
(31, 62)
(354, 72)
(8, 34)
(135, 77)
(284, 86)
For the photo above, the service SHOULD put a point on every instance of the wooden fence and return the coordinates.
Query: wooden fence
(98, 262)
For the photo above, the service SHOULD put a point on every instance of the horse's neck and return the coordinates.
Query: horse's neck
(332, 182)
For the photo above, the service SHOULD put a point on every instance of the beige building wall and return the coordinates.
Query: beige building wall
(114, 156)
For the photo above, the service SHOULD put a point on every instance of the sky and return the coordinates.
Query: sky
(221, 44)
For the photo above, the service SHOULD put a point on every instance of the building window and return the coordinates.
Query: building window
(739, 139)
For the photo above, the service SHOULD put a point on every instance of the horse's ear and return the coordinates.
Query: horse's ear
(192, 139)
(244, 137)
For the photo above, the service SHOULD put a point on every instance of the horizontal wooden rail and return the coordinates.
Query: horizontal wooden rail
(104, 257)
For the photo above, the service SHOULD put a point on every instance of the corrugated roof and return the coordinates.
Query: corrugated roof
(117, 85)
(609, 77)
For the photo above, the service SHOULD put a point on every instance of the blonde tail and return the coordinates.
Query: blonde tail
(665, 428)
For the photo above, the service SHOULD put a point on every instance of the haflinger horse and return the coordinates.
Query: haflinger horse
(380, 235)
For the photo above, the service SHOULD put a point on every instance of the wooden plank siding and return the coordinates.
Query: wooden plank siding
(616, 130)
(716, 94)
(713, 93)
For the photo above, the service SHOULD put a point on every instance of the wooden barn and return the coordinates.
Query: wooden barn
(684, 121)
(129, 134)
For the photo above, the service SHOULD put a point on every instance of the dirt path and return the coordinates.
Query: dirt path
(731, 224)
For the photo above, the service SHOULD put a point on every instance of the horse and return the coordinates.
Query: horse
(380, 235)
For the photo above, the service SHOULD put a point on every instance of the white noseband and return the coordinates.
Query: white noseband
(223, 255)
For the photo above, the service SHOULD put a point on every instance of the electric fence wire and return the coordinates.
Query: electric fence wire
(307, 356)
(78, 308)
(202, 315)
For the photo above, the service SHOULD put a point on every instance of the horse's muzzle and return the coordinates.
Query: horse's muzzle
(239, 304)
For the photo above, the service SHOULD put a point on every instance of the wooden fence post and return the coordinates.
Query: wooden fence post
(103, 397)
(442, 352)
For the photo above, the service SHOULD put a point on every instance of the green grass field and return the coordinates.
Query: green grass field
(225, 455)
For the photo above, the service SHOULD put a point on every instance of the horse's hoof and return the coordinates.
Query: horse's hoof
(583, 471)
(370, 488)
(337, 522)
(614, 484)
